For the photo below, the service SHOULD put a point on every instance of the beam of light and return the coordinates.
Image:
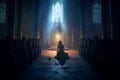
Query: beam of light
(53, 18)
(57, 13)
(61, 14)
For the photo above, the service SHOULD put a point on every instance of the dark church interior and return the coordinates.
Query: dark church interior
(59, 39)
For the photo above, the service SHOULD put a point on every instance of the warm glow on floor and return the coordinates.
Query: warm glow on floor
(50, 53)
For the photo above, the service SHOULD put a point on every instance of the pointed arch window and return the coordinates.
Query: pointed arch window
(96, 13)
(2, 12)
(57, 12)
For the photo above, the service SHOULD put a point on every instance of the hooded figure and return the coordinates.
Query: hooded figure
(61, 55)
(60, 48)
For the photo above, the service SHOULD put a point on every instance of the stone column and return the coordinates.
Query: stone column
(106, 19)
(86, 18)
(18, 18)
(115, 19)
(82, 20)
(36, 16)
(10, 15)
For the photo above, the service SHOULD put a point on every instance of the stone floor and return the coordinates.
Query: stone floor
(75, 68)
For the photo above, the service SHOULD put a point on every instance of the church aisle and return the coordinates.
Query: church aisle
(45, 68)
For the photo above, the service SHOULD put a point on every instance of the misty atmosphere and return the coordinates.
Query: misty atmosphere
(59, 39)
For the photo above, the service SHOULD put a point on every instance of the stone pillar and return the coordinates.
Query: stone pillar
(106, 19)
(115, 18)
(72, 35)
(18, 19)
(10, 14)
(36, 17)
(86, 18)
(82, 19)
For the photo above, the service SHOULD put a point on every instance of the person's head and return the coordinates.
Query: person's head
(60, 42)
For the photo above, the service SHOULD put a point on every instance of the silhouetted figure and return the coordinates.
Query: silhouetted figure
(61, 55)
(60, 47)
